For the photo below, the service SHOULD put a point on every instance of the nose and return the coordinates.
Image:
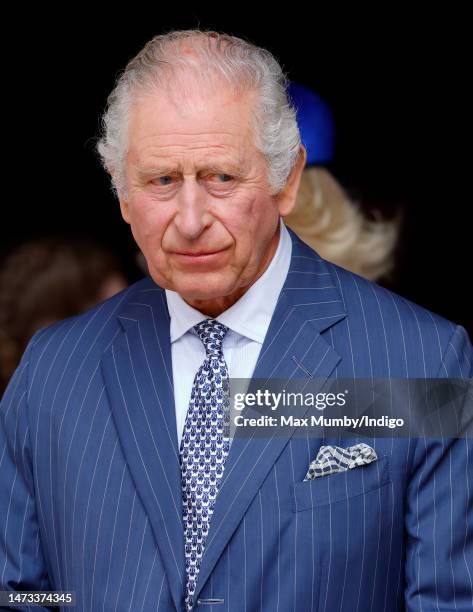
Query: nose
(192, 217)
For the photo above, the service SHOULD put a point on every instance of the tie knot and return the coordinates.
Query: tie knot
(212, 333)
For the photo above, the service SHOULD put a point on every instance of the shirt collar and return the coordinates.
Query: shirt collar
(251, 314)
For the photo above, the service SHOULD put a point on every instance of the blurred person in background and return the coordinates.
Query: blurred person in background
(324, 216)
(48, 279)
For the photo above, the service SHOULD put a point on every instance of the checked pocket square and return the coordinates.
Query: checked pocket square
(331, 459)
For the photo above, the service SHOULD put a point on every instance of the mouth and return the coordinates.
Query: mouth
(197, 253)
(198, 257)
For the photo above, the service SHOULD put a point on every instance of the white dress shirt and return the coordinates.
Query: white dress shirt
(248, 321)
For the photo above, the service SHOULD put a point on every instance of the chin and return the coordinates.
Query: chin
(198, 293)
(204, 289)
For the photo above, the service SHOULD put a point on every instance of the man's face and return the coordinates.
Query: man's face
(198, 200)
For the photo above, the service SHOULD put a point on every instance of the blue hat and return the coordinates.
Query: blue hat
(316, 124)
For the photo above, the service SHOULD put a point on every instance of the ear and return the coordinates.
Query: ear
(122, 197)
(124, 207)
(286, 198)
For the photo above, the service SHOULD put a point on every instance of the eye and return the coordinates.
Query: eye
(164, 180)
(219, 177)
(224, 178)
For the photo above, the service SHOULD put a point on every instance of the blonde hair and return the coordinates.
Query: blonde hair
(332, 224)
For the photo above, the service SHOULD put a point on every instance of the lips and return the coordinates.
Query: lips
(199, 258)
(197, 253)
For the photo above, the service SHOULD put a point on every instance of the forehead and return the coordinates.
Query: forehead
(200, 125)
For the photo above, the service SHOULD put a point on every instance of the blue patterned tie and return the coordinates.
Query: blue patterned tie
(204, 447)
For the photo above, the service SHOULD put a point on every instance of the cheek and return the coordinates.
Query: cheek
(253, 221)
(147, 219)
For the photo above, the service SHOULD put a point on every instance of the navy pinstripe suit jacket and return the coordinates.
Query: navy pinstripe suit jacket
(90, 489)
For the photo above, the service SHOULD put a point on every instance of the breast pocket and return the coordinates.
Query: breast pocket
(341, 486)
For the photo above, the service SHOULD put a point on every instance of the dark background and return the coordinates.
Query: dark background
(396, 83)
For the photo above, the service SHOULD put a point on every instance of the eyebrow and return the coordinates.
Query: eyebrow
(217, 167)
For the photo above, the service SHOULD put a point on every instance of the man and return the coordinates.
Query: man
(117, 481)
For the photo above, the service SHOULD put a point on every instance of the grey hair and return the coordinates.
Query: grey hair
(213, 57)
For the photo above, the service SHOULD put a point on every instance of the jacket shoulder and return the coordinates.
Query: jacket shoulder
(83, 338)
(377, 312)
(359, 293)
(363, 298)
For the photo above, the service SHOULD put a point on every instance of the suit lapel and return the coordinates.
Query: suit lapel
(138, 375)
(294, 348)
